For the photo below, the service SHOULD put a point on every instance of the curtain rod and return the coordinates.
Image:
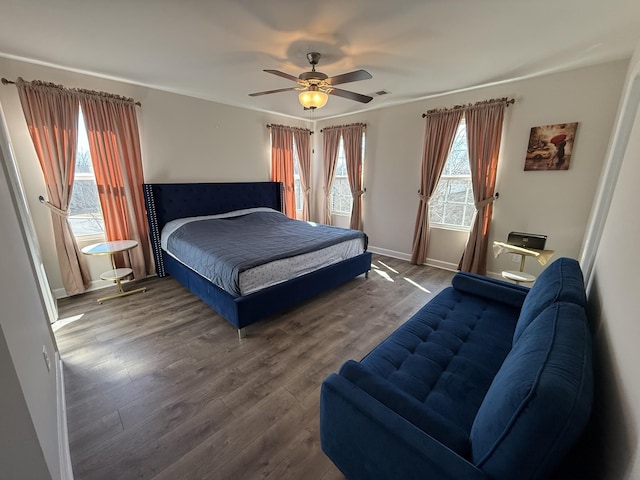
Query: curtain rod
(507, 102)
(364, 125)
(269, 125)
(79, 90)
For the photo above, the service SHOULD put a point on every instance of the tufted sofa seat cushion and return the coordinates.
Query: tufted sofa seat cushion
(423, 417)
(446, 356)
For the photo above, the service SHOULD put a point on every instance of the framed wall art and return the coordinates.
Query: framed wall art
(550, 147)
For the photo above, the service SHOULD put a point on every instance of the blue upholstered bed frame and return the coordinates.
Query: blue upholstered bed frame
(168, 201)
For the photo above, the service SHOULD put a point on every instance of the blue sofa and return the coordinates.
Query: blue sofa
(489, 380)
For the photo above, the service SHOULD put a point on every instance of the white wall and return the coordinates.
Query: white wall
(29, 442)
(614, 304)
(556, 203)
(182, 139)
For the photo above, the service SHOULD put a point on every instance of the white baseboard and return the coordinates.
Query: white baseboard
(431, 262)
(95, 285)
(66, 470)
(407, 257)
(389, 253)
(452, 267)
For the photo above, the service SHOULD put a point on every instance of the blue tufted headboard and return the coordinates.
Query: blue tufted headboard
(168, 201)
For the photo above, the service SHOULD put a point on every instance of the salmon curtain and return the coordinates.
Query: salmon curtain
(303, 147)
(114, 143)
(352, 138)
(330, 145)
(440, 130)
(282, 166)
(51, 113)
(484, 132)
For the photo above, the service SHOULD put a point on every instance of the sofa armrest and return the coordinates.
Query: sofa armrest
(368, 441)
(490, 288)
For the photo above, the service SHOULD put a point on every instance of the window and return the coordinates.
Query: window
(452, 204)
(341, 198)
(85, 214)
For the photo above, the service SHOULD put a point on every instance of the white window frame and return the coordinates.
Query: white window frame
(83, 145)
(336, 196)
(445, 182)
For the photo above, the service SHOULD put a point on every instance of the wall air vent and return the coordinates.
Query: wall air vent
(380, 92)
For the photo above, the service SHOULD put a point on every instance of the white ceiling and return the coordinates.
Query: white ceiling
(217, 49)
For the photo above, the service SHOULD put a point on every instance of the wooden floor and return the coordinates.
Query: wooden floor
(158, 386)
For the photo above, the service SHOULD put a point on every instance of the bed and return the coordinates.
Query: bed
(168, 202)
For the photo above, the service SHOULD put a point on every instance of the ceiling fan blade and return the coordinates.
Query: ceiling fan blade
(283, 75)
(257, 94)
(354, 76)
(351, 95)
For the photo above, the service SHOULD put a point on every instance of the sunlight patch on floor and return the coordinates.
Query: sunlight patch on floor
(57, 325)
(379, 270)
(388, 267)
(384, 275)
(417, 285)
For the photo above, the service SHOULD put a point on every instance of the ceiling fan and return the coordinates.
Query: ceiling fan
(314, 86)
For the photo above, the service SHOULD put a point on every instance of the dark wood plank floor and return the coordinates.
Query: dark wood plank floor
(158, 386)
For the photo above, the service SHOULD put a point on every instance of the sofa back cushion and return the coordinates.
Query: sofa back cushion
(540, 399)
(560, 282)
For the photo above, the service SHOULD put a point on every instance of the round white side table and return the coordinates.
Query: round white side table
(518, 277)
(116, 274)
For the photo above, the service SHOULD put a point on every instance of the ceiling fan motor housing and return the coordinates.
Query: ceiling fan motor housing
(314, 58)
(312, 76)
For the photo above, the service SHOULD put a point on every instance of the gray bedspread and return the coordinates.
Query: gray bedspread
(219, 249)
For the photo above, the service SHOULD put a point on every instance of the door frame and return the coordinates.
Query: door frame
(27, 228)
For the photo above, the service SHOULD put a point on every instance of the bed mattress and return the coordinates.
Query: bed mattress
(271, 271)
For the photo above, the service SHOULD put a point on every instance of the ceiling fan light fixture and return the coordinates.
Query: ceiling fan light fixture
(313, 99)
